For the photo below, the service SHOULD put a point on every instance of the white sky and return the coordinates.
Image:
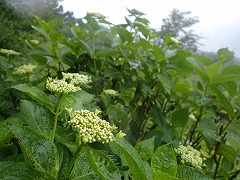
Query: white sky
(219, 19)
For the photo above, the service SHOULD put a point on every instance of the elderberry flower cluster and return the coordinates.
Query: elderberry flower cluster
(24, 69)
(9, 52)
(76, 79)
(90, 127)
(69, 83)
(110, 92)
(190, 156)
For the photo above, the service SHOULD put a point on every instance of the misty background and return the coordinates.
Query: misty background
(219, 20)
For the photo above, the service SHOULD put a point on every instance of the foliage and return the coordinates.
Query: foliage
(17, 16)
(159, 97)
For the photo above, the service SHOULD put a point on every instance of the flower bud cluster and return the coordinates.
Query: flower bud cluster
(60, 86)
(76, 79)
(24, 69)
(34, 41)
(190, 156)
(69, 83)
(90, 127)
(9, 52)
(111, 92)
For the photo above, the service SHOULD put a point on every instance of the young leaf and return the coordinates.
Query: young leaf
(38, 151)
(36, 94)
(164, 160)
(102, 165)
(133, 160)
(225, 55)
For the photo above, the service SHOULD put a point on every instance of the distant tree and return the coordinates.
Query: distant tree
(178, 26)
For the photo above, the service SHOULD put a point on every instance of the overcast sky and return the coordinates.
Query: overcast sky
(219, 19)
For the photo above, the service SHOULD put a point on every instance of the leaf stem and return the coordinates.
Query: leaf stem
(72, 162)
(56, 118)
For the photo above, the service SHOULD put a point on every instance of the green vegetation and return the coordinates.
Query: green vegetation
(105, 102)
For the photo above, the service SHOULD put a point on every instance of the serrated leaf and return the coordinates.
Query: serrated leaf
(38, 151)
(146, 148)
(166, 82)
(102, 165)
(163, 176)
(36, 94)
(208, 129)
(227, 151)
(190, 173)
(17, 170)
(40, 120)
(64, 159)
(164, 160)
(132, 158)
(82, 169)
(180, 117)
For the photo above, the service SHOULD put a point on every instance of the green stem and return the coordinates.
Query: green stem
(56, 118)
(72, 162)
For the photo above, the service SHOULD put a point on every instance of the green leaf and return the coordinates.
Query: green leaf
(180, 117)
(125, 35)
(146, 148)
(5, 134)
(132, 158)
(214, 69)
(223, 99)
(225, 55)
(227, 165)
(102, 165)
(64, 159)
(55, 23)
(225, 78)
(227, 151)
(36, 94)
(163, 176)
(198, 67)
(207, 127)
(41, 31)
(166, 82)
(112, 73)
(57, 37)
(17, 170)
(190, 173)
(40, 120)
(82, 169)
(38, 151)
(164, 160)
(82, 96)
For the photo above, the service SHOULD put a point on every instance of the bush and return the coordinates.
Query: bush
(59, 115)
